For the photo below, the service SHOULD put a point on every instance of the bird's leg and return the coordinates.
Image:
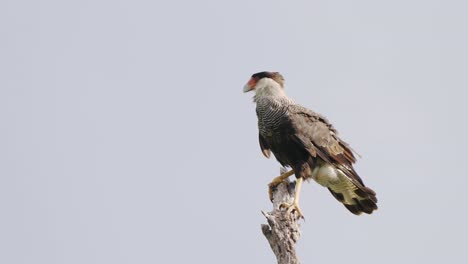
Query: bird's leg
(295, 204)
(276, 181)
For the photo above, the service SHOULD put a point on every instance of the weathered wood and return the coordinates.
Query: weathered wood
(282, 230)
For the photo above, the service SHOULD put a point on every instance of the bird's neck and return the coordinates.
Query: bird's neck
(268, 88)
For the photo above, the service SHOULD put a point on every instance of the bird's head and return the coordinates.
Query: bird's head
(261, 80)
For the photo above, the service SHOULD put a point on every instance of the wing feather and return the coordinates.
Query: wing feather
(315, 128)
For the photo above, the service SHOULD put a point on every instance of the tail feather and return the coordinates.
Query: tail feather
(357, 199)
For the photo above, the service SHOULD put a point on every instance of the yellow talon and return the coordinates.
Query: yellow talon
(295, 204)
(292, 207)
(276, 181)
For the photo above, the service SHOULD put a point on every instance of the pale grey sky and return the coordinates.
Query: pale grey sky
(125, 136)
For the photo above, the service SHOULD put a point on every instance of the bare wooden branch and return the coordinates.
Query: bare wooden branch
(282, 230)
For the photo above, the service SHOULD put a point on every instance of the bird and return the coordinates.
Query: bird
(308, 143)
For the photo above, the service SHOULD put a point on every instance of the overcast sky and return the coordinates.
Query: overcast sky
(125, 136)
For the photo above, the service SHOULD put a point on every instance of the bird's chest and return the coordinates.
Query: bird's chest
(270, 119)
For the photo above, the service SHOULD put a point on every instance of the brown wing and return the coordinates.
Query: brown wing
(316, 132)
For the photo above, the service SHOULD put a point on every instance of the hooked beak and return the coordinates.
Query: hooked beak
(247, 88)
(250, 85)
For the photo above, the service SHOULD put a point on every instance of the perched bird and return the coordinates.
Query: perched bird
(307, 143)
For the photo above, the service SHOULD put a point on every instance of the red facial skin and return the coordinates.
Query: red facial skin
(252, 82)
